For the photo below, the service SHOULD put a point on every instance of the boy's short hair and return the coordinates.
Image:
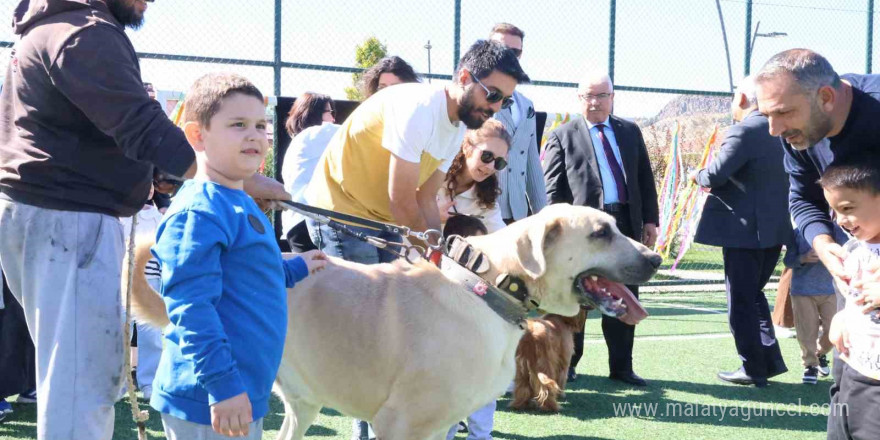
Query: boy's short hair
(207, 93)
(863, 175)
(464, 225)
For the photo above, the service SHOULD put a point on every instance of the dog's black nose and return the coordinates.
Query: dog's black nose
(655, 259)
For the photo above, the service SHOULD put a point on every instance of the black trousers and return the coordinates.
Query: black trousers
(618, 335)
(746, 272)
(837, 364)
(855, 408)
(17, 356)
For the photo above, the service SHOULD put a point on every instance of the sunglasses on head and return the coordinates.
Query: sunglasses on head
(493, 96)
(488, 157)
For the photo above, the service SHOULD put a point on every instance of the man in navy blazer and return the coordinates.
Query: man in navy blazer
(747, 215)
(601, 161)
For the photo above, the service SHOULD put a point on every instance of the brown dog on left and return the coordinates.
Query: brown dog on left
(542, 360)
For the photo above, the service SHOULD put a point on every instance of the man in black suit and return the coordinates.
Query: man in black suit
(601, 161)
(747, 215)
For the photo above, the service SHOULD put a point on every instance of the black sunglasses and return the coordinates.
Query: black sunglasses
(488, 157)
(517, 52)
(494, 96)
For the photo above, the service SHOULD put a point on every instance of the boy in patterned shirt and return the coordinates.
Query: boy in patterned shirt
(853, 193)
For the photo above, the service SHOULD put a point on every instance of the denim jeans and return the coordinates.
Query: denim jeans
(339, 244)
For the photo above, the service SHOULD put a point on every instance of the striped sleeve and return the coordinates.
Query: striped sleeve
(153, 270)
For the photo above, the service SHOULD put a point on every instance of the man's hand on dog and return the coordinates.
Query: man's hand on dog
(232, 417)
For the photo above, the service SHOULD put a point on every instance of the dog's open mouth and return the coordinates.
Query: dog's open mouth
(611, 298)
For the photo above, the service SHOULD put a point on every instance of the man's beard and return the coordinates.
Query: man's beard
(466, 110)
(127, 15)
(818, 127)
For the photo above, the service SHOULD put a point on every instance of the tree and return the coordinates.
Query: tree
(366, 55)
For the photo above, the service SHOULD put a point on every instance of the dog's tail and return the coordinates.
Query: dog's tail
(146, 304)
(548, 388)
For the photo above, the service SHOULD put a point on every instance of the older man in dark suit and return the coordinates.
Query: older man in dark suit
(747, 215)
(601, 161)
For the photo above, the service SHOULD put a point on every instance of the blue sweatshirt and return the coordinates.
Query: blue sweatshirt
(224, 288)
(859, 138)
(812, 278)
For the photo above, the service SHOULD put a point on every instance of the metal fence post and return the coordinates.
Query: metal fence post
(870, 43)
(277, 65)
(747, 66)
(612, 22)
(456, 43)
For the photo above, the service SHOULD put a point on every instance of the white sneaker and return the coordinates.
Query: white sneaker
(355, 435)
(27, 397)
(784, 333)
(148, 392)
(824, 370)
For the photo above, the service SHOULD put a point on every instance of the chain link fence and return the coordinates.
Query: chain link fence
(671, 61)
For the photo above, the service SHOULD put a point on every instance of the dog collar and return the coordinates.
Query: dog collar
(507, 307)
(459, 250)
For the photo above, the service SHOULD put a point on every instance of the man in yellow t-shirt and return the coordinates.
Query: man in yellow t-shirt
(389, 158)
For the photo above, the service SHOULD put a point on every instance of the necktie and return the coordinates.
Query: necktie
(619, 181)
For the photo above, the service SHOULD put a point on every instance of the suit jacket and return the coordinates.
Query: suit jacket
(522, 182)
(748, 203)
(571, 172)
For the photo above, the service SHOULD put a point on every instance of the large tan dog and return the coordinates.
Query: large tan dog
(413, 352)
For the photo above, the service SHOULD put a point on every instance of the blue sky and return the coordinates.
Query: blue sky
(660, 43)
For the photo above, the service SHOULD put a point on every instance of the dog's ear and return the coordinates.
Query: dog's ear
(531, 245)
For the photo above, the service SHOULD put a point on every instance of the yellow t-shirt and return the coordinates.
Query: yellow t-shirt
(407, 120)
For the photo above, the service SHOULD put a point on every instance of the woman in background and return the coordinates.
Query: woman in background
(311, 124)
(472, 189)
(387, 72)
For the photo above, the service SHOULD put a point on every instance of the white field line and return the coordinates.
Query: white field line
(678, 306)
(668, 338)
(674, 337)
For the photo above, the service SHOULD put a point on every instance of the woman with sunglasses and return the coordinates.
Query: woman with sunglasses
(472, 189)
(311, 124)
(471, 184)
(310, 109)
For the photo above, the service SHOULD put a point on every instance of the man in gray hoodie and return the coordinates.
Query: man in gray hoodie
(80, 140)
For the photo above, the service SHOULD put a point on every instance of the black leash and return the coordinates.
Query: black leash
(411, 253)
(508, 296)
(394, 229)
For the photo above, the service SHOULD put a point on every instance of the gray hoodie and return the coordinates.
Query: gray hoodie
(77, 130)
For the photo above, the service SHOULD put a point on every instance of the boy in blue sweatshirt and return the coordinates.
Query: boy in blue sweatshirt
(223, 276)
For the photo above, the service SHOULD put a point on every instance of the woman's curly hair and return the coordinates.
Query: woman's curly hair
(487, 191)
